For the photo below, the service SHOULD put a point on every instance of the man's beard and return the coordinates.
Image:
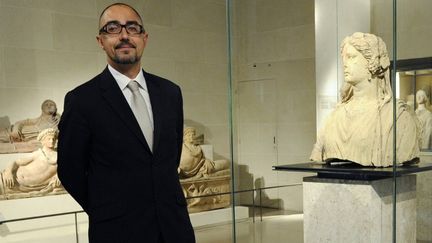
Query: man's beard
(125, 60)
(128, 59)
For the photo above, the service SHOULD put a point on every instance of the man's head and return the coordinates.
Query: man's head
(121, 35)
(49, 107)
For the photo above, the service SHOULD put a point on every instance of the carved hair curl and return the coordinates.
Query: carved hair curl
(47, 132)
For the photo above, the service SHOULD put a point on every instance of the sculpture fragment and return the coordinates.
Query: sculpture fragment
(22, 135)
(201, 177)
(35, 174)
(360, 129)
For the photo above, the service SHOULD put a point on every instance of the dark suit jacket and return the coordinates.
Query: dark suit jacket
(104, 162)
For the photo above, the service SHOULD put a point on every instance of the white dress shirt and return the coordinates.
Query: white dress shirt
(122, 81)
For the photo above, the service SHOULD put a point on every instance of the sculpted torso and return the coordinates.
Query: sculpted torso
(191, 157)
(39, 171)
(36, 172)
(31, 128)
(193, 163)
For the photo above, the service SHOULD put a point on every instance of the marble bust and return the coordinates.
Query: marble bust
(193, 163)
(360, 128)
(36, 174)
(23, 133)
(425, 117)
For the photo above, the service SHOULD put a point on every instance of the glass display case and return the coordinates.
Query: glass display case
(413, 85)
(259, 79)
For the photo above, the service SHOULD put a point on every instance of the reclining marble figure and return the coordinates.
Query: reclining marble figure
(34, 175)
(21, 136)
(360, 128)
(201, 177)
(193, 163)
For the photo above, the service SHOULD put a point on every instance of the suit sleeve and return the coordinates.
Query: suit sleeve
(179, 127)
(73, 151)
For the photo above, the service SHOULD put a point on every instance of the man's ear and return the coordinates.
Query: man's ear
(100, 41)
(145, 38)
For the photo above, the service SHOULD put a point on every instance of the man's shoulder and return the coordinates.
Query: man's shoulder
(163, 82)
(88, 86)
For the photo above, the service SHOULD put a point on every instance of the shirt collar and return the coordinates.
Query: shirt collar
(122, 80)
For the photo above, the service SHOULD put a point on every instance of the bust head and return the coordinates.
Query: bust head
(49, 107)
(355, 65)
(48, 137)
(365, 58)
(421, 97)
(189, 134)
(373, 50)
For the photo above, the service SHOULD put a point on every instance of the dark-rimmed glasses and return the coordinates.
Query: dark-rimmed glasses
(132, 28)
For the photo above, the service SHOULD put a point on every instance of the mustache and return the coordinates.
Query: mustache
(123, 44)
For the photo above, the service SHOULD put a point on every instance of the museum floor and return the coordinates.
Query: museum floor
(272, 228)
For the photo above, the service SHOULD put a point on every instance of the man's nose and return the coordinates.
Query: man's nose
(123, 34)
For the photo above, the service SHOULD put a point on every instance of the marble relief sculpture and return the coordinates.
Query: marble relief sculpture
(193, 163)
(425, 117)
(360, 129)
(200, 176)
(33, 175)
(21, 136)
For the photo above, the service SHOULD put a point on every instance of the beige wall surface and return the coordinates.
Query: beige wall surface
(274, 72)
(414, 31)
(48, 47)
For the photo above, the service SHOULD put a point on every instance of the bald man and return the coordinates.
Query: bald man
(120, 142)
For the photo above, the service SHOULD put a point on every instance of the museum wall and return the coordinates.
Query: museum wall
(274, 83)
(414, 31)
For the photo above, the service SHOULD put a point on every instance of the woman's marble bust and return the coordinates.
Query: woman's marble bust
(360, 129)
(425, 117)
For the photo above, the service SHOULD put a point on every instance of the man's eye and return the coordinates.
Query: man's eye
(112, 28)
(133, 28)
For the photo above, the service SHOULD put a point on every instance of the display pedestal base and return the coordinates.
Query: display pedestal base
(343, 210)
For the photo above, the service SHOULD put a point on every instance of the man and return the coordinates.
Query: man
(122, 175)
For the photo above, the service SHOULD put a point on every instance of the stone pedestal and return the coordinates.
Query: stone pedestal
(424, 207)
(201, 191)
(342, 210)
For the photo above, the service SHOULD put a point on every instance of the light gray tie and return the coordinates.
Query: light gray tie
(140, 111)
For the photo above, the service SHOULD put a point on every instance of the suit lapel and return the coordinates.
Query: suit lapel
(157, 107)
(115, 98)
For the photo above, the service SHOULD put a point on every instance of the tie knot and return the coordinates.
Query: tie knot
(133, 86)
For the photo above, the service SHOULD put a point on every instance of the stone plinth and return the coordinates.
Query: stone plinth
(202, 188)
(424, 207)
(342, 210)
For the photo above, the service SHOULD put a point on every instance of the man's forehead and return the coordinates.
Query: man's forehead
(119, 13)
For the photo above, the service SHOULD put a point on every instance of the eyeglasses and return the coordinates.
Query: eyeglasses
(131, 28)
